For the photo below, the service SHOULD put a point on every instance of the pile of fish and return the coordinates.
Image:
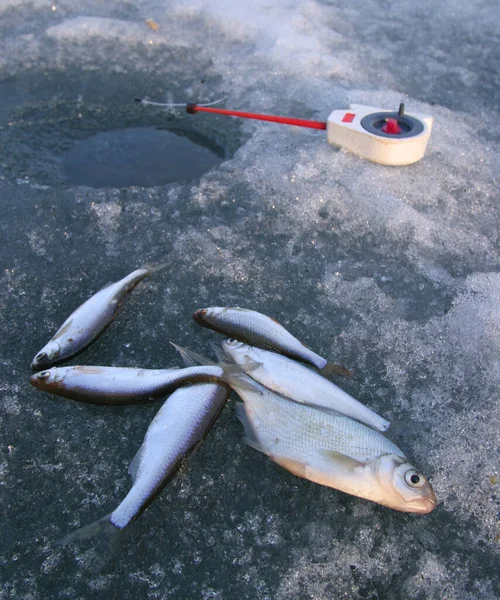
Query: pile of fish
(290, 412)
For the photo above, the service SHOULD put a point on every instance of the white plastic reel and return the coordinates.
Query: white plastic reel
(344, 129)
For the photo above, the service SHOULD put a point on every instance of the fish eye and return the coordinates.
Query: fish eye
(414, 479)
(232, 341)
(43, 375)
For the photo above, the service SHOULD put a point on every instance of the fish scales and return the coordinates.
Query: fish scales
(297, 382)
(88, 321)
(257, 329)
(300, 431)
(181, 423)
(333, 450)
(120, 385)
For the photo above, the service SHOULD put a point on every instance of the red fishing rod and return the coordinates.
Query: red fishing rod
(194, 108)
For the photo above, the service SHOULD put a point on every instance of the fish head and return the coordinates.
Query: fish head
(47, 355)
(238, 351)
(207, 315)
(44, 380)
(404, 488)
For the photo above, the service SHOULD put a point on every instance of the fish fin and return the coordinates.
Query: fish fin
(296, 467)
(220, 355)
(332, 370)
(153, 268)
(342, 460)
(234, 376)
(249, 438)
(191, 358)
(88, 531)
(233, 373)
(106, 285)
(134, 463)
(241, 381)
(103, 528)
(324, 409)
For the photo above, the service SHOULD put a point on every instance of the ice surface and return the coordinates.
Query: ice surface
(393, 272)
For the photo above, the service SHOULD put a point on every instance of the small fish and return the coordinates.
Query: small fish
(333, 450)
(180, 425)
(258, 330)
(297, 382)
(89, 320)
(123, 385)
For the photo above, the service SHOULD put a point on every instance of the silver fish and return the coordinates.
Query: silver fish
(123, 385)
(333, 450)
(179, 426)
(90, 319)
(256, 329)
(297, 382)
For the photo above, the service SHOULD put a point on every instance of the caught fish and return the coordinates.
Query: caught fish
(89, 320)
(258, 330)
(123, 385)
(297, 382)
(333, 450)
(180, 425)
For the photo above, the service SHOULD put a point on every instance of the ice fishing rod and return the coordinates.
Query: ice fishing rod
(381, 136)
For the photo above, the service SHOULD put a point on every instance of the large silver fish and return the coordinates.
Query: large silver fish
(297, 382)
(89, 320)
(123, 385)
(179, 426)
(256, 329)
(333, 450)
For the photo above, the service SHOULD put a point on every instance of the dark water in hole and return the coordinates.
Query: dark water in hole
(142, 156)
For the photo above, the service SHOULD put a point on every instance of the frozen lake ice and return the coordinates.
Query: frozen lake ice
(392, 272)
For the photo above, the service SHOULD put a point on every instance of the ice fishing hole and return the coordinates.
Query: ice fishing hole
(142, 156)
(84, 128)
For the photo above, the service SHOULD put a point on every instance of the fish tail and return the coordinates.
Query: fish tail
(153, 268)
(332, 369)
(233, 374)
(104, 528)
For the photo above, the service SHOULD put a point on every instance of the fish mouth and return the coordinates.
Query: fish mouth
(41, 359)
(199, 315)
(424, 506)
(34, 379)
(46, 358)
(43, 379)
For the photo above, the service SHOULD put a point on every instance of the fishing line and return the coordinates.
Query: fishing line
(175, 105)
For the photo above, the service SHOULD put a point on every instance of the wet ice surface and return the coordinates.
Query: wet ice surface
(391, 272)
